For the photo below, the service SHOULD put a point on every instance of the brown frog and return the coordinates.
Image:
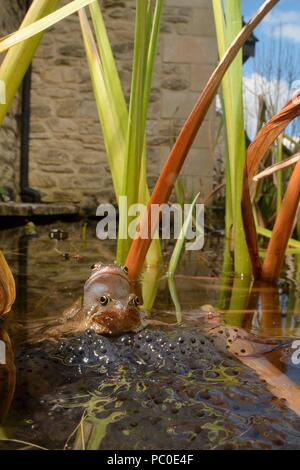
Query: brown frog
(109, 306)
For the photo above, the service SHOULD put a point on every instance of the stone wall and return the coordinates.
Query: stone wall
(11, 13)
(67, 155)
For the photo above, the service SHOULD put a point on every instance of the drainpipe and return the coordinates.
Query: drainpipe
(27, 194)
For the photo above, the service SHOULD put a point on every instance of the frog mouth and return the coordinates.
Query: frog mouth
(118, 321)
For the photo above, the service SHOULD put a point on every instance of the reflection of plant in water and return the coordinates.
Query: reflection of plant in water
(102, 407)
(26, 445)
(214, 431)
(90, 431)
(221, 376)
(92, 427)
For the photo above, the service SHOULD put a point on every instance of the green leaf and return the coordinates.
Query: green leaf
(136, 129)
(26, 32)
(175, 298)
(110, 72)
(228, 22)
(179, 246)
(18, 58)
(268, 234)
(134, 177)
(113, 113)
(112, 127)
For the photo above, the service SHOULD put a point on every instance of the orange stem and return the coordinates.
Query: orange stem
(283, 228)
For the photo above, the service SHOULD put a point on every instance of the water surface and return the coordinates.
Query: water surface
(167, 387)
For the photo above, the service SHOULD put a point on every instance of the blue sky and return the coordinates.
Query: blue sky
(276, 69)
(283, 20)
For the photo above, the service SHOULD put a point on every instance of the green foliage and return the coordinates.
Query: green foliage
(123, 130)
(228, 21)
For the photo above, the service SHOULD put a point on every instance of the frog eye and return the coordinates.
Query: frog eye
(104, 299)
(96, 266)
(136, 301)
(125, 269)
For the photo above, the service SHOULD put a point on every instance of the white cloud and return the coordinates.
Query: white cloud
(255, 86)
(284, 24)
(288, 31)
(291, 16)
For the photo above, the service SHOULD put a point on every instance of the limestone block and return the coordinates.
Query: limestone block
(63, 125)
(203, 23)
(67, 108)
(199, 162)
(200, 74)
(175, 84)
(38, 180)
(52, 157)
(189, 49)
(70, 51)
(177, 104)
(37, 127)
(42, 110)
(68, 196)
(189, 3)
(123, 49)
(205, 137)
(6, 174)
(92, 182)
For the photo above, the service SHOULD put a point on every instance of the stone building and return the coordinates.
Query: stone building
(67, 156)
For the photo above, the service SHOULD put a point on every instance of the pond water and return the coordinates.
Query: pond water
(166, 387)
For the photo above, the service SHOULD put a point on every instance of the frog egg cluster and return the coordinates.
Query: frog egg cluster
(87, 349)
(190, 395)
(182, 351)
(150, 348)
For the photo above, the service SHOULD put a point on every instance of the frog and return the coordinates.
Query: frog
(109, 306)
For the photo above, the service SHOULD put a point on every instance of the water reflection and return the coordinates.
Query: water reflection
(50, 276)
(22, 276)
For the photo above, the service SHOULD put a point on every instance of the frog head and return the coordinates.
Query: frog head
(110, 301)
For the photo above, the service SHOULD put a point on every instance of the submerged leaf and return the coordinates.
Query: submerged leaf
(7, 286)
(7, 378)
